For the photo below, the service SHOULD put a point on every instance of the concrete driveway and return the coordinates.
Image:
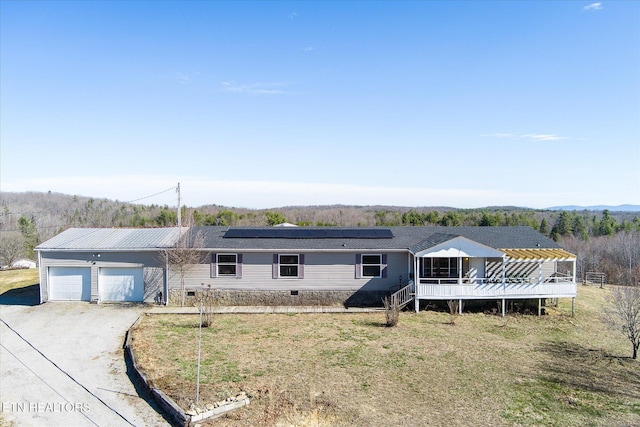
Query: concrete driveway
(62, 364)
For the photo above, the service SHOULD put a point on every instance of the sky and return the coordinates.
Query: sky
(266, 104)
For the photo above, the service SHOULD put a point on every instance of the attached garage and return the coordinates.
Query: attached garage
(121, 284)
(69, 283)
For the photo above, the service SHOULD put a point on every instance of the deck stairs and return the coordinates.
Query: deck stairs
(402, 297)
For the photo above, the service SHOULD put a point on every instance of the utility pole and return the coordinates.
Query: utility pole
(179, 214)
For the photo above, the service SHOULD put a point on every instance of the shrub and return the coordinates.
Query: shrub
(392, 312)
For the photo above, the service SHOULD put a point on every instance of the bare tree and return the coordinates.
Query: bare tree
(11, 246)
(185, 255)
(624, 315)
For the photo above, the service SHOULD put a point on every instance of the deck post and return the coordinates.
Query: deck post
(573, 307)
(460, 306)
(539, 307)
(416, 282)
(504, 307)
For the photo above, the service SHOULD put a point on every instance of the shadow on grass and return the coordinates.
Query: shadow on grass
(28, 295)
(144, 392)
(592, 370)
(370, 323)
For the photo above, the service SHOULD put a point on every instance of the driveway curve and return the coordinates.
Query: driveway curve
(62, 364)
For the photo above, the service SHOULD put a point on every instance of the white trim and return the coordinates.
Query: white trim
(362, 264)
(280, 264)
(218, 264)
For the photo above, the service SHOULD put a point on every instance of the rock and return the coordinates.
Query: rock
(209, 407)
(191, 412)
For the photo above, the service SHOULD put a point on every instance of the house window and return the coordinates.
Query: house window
(371, 265)
(440, 267)
(226, 265)
(288, 265)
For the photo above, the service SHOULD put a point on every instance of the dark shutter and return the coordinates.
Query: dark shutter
(274, 267)
(239, 266)
(214, 265)
(384, 266)
(301, 266)
(358, 266)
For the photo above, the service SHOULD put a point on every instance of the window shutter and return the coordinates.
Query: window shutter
(358, 266)
(301, 266)
(274, 267)
(214, 265)
(239, 266)
(384, 266)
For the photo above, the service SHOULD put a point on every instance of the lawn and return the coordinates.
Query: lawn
(348, 369)
(21, 278)
(19, 287)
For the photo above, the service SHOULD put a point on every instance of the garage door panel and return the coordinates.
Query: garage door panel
(121, 284)
(69, 284)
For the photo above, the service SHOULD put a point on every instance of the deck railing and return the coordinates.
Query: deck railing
(521, 287)
(403, 296)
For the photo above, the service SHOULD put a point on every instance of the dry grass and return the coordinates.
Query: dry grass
(14, 279)
(349, 369)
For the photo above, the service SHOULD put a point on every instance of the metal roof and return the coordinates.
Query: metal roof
(112, 239)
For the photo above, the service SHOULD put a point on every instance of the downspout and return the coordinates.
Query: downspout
(40, 276)
(166, 279)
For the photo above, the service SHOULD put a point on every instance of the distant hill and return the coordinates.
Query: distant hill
(50, 213)
(620, 208)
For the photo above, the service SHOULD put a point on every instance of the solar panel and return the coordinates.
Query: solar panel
(308, 233)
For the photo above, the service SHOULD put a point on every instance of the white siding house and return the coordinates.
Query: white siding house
(307, 265)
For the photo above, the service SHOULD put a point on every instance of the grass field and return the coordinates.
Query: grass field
(348, 369)
(14, 279)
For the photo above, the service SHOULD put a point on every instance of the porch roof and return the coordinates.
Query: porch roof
(539, 254)
(455, 247)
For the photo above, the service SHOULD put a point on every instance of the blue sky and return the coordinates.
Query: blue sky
(265, 104)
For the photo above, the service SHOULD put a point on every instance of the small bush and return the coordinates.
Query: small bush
(392, 312)
(454, 309)
(209, 302)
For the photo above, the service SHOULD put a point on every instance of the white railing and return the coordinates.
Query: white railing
(403, 296)
(495, 288)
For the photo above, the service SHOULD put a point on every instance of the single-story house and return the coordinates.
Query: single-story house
(305, 265)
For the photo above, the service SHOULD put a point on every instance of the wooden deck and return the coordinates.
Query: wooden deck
(259, 309)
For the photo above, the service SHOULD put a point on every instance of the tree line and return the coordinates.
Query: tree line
(601, 239)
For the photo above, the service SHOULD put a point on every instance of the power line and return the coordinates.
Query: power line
(152, 195)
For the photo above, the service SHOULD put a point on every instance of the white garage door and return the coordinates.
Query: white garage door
(69, 284)
(120, 284)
